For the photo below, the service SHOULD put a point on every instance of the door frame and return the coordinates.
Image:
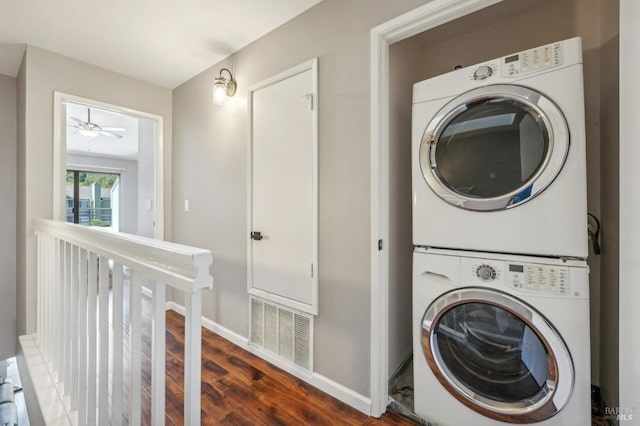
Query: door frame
(311, 65)
(629, 178)
(60, 155)
(430, 15)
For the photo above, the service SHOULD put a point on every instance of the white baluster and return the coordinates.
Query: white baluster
(116, 388)
(67, 319)
(82, 337)
(39, 276)
(158, 353)
(46, 303)
(135, 366)
(49, 300)
(92, 330)
(103, 393)
(192, 358)
(75, 284)
(92, 287)
(60, 316)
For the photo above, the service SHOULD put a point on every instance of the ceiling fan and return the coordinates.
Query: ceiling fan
(89, 129)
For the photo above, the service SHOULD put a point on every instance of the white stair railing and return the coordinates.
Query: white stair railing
(87, 277)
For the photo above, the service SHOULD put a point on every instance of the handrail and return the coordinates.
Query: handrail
(185, 268)
(83, 273)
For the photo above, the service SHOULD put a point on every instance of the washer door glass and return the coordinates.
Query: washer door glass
(497, 355)
(492, 352)
(494, 147)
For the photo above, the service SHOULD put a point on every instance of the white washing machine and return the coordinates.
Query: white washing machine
(499, 160)
(500, 339)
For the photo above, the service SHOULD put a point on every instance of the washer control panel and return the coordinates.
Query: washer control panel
(543, 278)
(527, 277)
(532, 60)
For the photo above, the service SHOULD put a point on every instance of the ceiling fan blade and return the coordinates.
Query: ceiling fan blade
(111, 135)
(77, 120)
(114, 129)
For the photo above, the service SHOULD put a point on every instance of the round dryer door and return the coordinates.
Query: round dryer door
(497, 355)
(494, 147)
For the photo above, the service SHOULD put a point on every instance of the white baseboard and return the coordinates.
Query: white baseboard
(338, 391)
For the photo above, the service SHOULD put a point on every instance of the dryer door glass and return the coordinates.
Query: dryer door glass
(492, 148)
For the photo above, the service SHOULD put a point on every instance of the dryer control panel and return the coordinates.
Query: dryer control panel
(532, 60)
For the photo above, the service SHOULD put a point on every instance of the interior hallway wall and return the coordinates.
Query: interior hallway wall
(41, 74)
(8, 175)
(510, 27)
(210, 170)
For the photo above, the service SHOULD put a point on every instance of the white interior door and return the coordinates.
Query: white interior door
(283, 204)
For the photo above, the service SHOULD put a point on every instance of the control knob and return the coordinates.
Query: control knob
(482, 72)
(486, 272)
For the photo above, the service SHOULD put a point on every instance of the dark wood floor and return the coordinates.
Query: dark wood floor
(239, 388)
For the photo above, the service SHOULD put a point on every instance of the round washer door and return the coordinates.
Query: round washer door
(494, 147)
(497, 355)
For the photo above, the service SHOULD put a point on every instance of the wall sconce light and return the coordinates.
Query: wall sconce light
(223, 87)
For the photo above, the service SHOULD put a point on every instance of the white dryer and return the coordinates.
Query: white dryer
(500, 339)
(498, 155)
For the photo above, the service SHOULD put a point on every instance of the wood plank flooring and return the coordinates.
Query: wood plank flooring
(239, 388)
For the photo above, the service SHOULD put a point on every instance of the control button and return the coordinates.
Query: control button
(486, 273)
(482, 72)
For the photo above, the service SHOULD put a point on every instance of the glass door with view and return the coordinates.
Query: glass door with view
(91, 198)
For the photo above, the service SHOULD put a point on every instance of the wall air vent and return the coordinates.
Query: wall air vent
(282, 331)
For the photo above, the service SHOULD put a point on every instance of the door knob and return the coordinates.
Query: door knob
(256, 235)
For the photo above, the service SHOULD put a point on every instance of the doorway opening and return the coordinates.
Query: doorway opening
(390, 344)
(108, 166)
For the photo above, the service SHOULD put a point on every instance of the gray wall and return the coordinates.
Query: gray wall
(8, 174)
(609, 169)
(513, 26)
(210, 166)
(128, 170)
(405, 68)
(41, 74)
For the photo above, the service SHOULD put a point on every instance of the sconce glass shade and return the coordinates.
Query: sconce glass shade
(223, 87)
(219, 91)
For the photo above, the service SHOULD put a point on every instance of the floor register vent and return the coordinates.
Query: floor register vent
(282, 331)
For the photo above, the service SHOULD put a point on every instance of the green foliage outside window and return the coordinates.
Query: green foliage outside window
(86, 179)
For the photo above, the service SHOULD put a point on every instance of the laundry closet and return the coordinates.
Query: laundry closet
(508, 27)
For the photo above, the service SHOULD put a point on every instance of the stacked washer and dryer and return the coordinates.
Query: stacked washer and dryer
(500, 280)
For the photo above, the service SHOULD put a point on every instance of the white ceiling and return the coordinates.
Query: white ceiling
(165, 42)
